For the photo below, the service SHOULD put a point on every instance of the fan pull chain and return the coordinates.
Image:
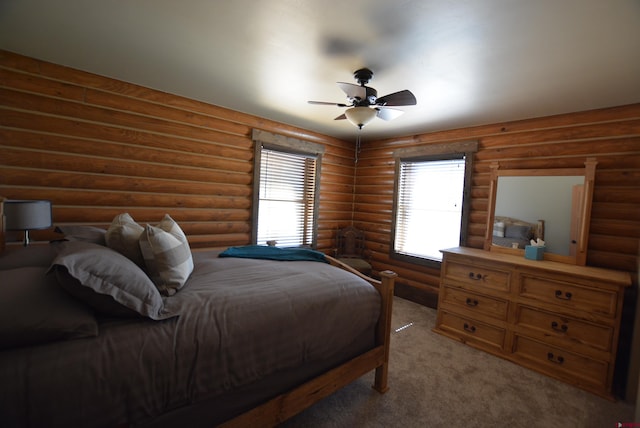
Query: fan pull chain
(358, 145)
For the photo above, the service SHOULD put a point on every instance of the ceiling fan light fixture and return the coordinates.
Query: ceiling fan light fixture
(360, 116)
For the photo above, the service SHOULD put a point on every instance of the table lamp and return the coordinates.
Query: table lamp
(27, 215)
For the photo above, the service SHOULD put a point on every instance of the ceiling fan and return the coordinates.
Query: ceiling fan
(364, 102)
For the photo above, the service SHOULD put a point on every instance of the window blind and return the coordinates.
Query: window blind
(286, 198)
(429, 206)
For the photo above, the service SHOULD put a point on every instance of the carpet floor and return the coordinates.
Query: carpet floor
(438, 382)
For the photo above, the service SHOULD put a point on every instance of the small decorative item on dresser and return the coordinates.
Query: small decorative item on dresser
(533, 253)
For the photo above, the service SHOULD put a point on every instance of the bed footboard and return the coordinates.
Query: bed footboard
(284, 406)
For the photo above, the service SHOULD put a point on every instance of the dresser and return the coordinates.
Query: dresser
(558, 319)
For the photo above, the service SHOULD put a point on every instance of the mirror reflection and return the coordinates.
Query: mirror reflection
(550, 204)
(532, 207)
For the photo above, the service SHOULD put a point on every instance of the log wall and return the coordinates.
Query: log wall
(97, 147)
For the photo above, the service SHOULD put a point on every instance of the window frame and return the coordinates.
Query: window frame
(433, 152)
(281, 143)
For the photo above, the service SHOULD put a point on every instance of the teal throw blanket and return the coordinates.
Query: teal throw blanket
(274, 253)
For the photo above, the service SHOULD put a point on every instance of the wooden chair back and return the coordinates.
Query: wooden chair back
(350, 243)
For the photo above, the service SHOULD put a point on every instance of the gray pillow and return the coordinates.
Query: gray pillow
(517, 231)
(34, 310)
(107, 281)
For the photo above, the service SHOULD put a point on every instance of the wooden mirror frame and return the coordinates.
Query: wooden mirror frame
(588, 172)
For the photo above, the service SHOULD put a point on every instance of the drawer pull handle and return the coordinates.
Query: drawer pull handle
(471, 302)
(469, 328)
(563, 296)
(554, 359)
(476, 276)
(561, 328)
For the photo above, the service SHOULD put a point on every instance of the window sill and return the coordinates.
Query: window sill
(422, 261)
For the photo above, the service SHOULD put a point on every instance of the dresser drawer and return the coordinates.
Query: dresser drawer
(476, 303)
(472, 331)
(564, 329)
(477, 275)
(560, 363)
(569, 295)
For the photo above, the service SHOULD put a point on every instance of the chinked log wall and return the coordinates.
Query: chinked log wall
(97, 147)
(611, 135)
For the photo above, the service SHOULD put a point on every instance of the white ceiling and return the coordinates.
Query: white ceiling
(468, 62)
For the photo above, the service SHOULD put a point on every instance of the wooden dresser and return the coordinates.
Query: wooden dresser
(558, 319)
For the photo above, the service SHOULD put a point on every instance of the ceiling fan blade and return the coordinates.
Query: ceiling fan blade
(388, 113)
(324, 103)
(353, 91)
(341, 117)
(401, 98)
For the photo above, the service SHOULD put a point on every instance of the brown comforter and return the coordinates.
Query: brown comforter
(241, 321)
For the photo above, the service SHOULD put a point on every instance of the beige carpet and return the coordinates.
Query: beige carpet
(438, 382)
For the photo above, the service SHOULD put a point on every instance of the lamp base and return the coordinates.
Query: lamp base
(26, 240)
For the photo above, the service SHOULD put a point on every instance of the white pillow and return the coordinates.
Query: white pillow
(498, 229)
(167, 255)
(123, 235)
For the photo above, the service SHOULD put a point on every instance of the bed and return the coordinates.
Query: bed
(515, 233)
(244, 341)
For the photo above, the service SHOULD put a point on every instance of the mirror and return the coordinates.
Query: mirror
(551, 204)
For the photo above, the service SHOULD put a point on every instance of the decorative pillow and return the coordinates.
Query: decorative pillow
(107, 281)
(167, 255)
(517, 232)
(498, 229)
(123, 236)
(83, 233)
(34, 310)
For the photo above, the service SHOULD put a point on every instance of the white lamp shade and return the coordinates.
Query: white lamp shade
(27, 215)
(360, 116)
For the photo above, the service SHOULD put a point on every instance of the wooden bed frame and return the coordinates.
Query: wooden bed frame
(284, 406)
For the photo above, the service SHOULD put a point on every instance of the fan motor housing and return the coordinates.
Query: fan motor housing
(369, 99)
(372, 96)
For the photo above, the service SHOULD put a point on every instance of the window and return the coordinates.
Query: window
(285, 191)
(430, 202)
